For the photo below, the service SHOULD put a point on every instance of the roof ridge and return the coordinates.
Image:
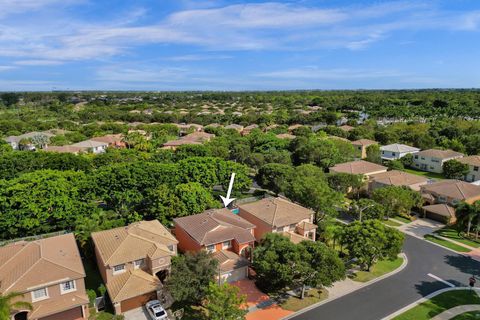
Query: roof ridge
(23, 275)
(457, 185)
(16, 254)
(116, 249)
(65, 267)
(124, 284)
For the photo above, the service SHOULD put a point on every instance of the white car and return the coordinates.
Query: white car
(156, 311)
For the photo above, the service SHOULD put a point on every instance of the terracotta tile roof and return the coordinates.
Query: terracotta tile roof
(215, 226)
(470, 160)
(441, 154)
(136, 241)
(440, 209)
(357, 167)
(23, 264)
(285, 136)
(192, 138)
(228, 260)
(398, 178)
(364, 142)
(45, 308)
(454, 189)
(277, 212)
(132, 284)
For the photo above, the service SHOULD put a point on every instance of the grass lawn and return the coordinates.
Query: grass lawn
(380, 268)
(402, 219)
(446, 243)
(431, 175)
(440, 303)
(314, 296)
(450, 233)
(472, 315)
(93, 279)
(391, 223)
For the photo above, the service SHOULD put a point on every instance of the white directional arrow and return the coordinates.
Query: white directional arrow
(226, 200)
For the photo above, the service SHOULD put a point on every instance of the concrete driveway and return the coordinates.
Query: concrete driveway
(421, 227)
(136, 314)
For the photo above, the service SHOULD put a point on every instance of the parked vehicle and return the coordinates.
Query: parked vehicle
(156, 311)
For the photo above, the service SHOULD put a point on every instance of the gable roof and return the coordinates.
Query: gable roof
(398, 147)
(193, 138)
(90, 144)
(364, 142)
(277, 212)
(64, 149)
(228, 260)
(470, 160)
(455, 189)
(357, 167)
(215, 226)
(109, 138)
(23, 264)
(136, 241)
(398, 178)
(437, 153)
(132, 283)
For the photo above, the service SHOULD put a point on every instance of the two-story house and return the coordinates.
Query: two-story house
(396, 178)
(362, 167)
(361, 146)
(133, 262)
(473, 163)
(442, 196)
(432, 160)
(227, 236)
(49, 274)
(396, 151)
(279, 215)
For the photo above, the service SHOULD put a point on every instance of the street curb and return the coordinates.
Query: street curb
(428, 297)
(313, 306)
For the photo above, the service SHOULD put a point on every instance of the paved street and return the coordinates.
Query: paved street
(387, 296)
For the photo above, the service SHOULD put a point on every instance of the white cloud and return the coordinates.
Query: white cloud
(313, 72)
(6, 68)
(142, 75)
(198, 57)
(38, 62)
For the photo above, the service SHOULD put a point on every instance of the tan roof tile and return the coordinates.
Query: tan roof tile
(470, 160)
(23, 264)
(132, 284)
(441, 154)
(364, 142)
(228, 260)
(109, 138)
(454, 189)
(136, 241)
(357, 167)
(45, 308)
(215, 226)
(277, 212)
(440, 209)
(398, 178)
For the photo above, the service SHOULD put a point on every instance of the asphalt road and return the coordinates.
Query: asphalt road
(395, 292)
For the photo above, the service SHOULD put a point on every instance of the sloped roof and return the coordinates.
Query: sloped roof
(364, 142)
(59, 304)
(136, 241)
(215, 226)
(228, 260)
(285, 136)
(277, 212)
(440, 209)
(398, 178)
(346, 128)
(357, 167)
(454, 189)
(470, 160)
(400, 148)
(441, 154)
(192, 138)
(23, 264)
(109, 138)
(132, 283)
(63, 149)
(89, 144)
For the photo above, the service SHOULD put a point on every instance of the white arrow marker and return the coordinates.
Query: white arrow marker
(227, 200)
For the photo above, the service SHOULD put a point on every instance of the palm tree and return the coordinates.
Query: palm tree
(8, 306)
(465, 215)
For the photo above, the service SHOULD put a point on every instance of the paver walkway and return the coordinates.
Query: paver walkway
(450, 313)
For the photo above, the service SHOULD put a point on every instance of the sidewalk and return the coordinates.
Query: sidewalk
(450, 313)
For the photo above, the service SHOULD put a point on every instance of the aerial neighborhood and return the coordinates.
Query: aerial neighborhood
(171, 214)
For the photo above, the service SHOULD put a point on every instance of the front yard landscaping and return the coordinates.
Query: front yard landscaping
(450, 233)
(440, 303)
(378, 269)
(402, 219)
(446, 243)
(431, 175)
(313, 296)
(472, 315)
(391, 223)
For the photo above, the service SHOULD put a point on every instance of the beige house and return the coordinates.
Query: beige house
(50, 275)
(450, 192)
(199, 137)
(432, 160)
(396, 178)
(473, 163)
(361, 146)
(359, 167)
(279, 215)
(133, 260)
(234, 126)
(441, 212)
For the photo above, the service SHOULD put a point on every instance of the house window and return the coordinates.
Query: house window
(119, 269)
(138, 263)
(68, 286)
(171, 248)
(416, 157)
(279, 229)
(393, 154)
(211, 248)
(226, 245)
(475, 168)
(421, 158)
(39, 294)
(383, 152)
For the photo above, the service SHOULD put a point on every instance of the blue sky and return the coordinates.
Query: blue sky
(238, 45)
